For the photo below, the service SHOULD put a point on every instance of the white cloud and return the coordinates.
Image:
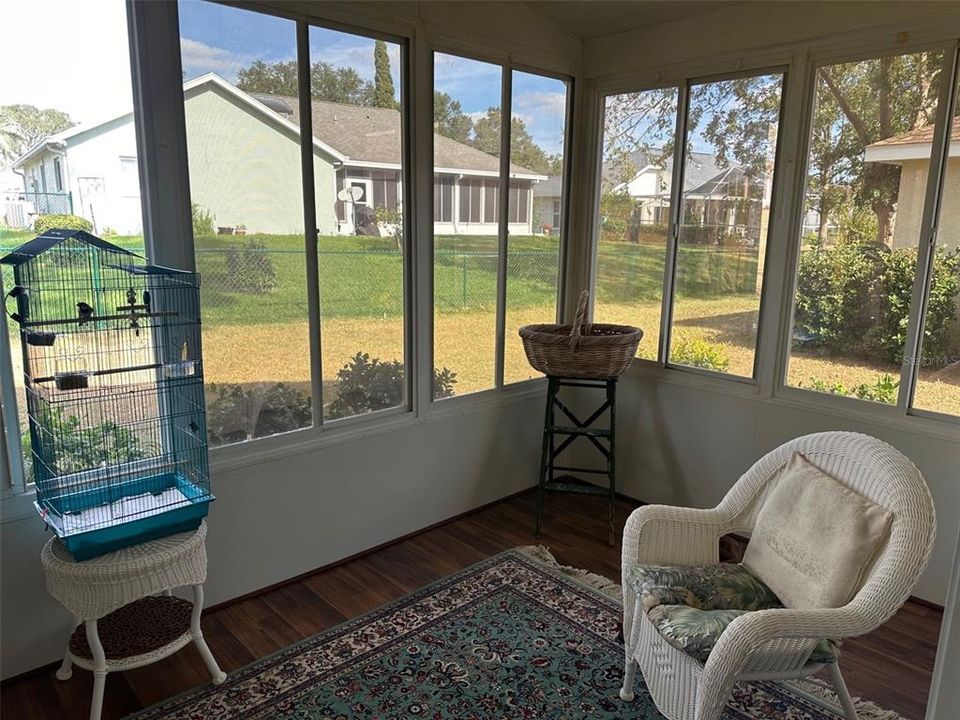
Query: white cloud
(549, 107)
(199, 58)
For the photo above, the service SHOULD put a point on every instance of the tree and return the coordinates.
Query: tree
(878, 99)
(340, 84)
(333, 84)
(857, 104)
(383, 93)
(449, 119)
(279, 78)
(523, 150)
(23, 126)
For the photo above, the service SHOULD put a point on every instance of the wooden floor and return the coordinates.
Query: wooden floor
(891, 666)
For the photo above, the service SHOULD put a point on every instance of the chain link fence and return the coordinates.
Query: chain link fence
(367, 283)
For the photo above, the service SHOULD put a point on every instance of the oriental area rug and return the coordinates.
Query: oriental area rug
(511, 638)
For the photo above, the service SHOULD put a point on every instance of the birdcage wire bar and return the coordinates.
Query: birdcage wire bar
(114, 391)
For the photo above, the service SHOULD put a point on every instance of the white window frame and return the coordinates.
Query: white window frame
(507, 68)
(909, 371)
(674, 210)
(798, 58)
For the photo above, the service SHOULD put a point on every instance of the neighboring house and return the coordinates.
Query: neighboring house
(87, 170)
(547, 205)
(245, 168)
(911, 152)
(719, 196)
(715, 196)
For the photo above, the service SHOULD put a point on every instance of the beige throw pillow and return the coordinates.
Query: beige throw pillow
(814, 538)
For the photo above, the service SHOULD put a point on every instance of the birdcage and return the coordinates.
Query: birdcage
(113, 382)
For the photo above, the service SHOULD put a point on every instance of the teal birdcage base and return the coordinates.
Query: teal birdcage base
(123, 531)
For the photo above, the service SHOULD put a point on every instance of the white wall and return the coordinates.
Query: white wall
(276, 520)
(96, 154)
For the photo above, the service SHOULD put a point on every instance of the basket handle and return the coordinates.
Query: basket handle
(576, 332)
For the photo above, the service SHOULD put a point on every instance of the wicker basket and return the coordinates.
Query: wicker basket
(581, 350)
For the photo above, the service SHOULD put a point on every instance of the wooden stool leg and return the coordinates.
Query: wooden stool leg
(217, 675)
(99, 669)
(65, 671)
(546, 453)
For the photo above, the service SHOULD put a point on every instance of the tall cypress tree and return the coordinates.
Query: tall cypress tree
(382, 79)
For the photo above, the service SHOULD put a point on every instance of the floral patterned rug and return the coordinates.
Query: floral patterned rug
(511, 637)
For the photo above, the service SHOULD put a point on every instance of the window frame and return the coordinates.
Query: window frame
(799, 58)
(507, 68)
(675, 210)
(158, 117)
(909, 372)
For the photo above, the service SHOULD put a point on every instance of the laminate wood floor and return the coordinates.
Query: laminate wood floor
(891, 666)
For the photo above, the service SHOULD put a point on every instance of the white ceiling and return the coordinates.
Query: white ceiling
(603, 17)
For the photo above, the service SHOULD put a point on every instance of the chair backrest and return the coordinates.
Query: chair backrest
(876, 471)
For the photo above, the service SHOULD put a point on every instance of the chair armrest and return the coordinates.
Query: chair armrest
(668, 535)
(758, 632)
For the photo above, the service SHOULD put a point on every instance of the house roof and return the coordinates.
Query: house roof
(372, 136)
(702, 175)
(52, 238)
(351, 134)
(911, 145)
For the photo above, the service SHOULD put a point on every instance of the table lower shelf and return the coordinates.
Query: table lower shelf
(137, 634)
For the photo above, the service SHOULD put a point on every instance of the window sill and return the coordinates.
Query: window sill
(18, 506)
(928, 425)
(264, 450)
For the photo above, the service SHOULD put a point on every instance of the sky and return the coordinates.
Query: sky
(223, 40)
(93, 84)
(78, 63)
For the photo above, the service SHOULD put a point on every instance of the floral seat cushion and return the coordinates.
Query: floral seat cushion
(691, 606)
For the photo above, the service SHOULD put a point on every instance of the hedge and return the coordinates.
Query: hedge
(856, 298)
(61, 222)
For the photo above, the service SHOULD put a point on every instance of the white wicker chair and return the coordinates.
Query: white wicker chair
(773, 644)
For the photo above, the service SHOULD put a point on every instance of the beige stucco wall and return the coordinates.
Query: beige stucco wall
(913, 183)
(245, 169)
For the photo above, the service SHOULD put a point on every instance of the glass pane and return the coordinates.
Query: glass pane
(539, 107)
(355, 85)
(638, 141)
(466, 150)
(938, 386)
(724, 222)
(51, 175)
(868, 157)
(243, 153)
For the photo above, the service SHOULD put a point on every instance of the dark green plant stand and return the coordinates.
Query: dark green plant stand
(603, 440)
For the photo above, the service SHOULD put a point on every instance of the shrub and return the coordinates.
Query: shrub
(235, 413)
(250, 269)
(833, 298)
(393, 219)
(63, 222)
(203, 222)
(883, 390)
(73, 448)
(940, 331)
(856, 298)
(697, 352)
(366, 384)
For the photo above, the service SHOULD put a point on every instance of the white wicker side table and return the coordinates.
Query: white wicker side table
(122, 600)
